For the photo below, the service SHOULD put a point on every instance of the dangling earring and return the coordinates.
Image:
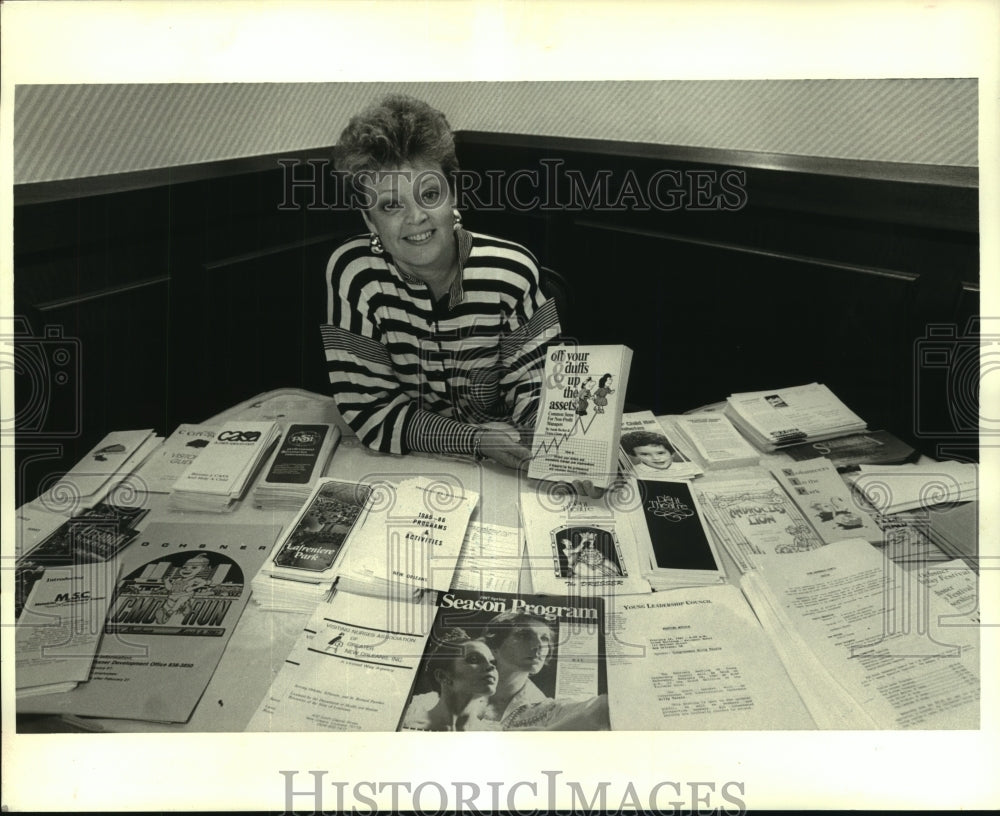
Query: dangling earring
(375, 243)
(458, 219)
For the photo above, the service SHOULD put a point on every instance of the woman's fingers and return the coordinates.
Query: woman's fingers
(585, 487)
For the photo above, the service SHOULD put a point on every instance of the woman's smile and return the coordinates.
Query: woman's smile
(412, 214)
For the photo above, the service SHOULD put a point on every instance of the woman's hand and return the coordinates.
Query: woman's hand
(505, 444)
(501, 443)
(585, 487)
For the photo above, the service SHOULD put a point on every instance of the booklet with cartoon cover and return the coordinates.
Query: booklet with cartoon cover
(819, 491)
(754, 519)
(579, 419)
(181, 590)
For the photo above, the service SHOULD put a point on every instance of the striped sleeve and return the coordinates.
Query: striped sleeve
(368, 395)
(367, 391)
(533, 324)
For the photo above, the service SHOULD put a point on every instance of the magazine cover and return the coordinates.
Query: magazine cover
(579, 418)
(501, 662)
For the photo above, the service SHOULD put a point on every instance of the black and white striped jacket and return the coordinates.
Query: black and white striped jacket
(410, 374)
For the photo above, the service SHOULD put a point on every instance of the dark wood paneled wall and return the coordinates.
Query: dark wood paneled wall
(177, 295)
(838, 272)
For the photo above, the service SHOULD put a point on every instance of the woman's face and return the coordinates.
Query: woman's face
(655, 456)
(526, 648)
(412, 214)
(474, 672)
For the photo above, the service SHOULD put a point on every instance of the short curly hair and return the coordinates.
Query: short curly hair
(396, 130)
(636, 439)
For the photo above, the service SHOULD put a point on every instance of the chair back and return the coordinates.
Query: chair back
(555, 287)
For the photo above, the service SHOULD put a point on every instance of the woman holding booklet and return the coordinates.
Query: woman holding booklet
(435, 336)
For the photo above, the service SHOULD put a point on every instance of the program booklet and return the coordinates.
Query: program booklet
(581, 546)
(408, 538)
(58, 630)
(181, 590)
(448, 661)
(832, 508)
(670, 529)
(578, 430)
(754, 519)
(301, 568)
(649, 453)
(168, 463)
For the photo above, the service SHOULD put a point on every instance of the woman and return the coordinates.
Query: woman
(523, 644)
(602, 392)
(435, 337)
(464, 672)
(584, 560)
